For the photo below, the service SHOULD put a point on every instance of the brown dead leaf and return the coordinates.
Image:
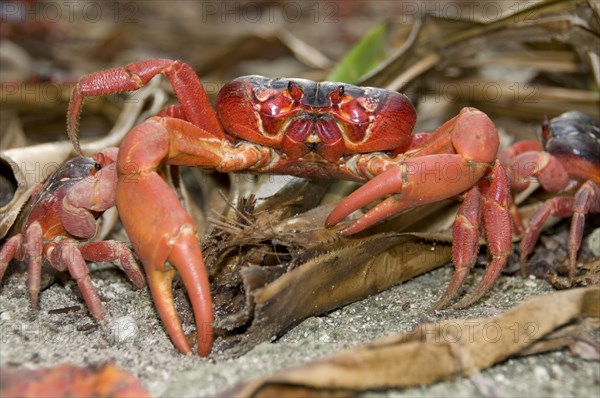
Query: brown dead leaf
(442, 49)
(15, 193)
(432, 352)
(270, 272)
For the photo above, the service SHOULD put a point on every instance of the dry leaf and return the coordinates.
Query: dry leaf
(270, 272)
(432, 352)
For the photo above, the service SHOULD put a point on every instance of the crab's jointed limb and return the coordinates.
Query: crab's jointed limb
(424, 176)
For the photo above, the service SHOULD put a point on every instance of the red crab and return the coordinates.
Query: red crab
(567, 160)
(303, 128)
(60, 222)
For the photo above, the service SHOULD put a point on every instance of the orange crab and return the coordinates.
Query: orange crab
(567, 160)
(61, 221)
(302, 128)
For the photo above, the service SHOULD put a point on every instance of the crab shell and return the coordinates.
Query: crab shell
(301, 116)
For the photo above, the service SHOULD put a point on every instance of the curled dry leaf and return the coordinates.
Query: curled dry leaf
(15, 193)
(270, 272)
(433, 352)
(68, 380)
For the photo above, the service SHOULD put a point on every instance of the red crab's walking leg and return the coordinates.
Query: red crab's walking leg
(33, 250)
(557, 207)
(188, 89)
(587, 200)
(110, 250)
(466, 244)
(492, 206)
(498, 232)
(66, 254)
(12, 249)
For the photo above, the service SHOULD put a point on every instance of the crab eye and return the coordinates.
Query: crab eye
(336, 96)
(96, 168)
(295, 91)
(545, 128)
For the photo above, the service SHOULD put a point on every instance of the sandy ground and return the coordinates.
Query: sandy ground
(138, 342)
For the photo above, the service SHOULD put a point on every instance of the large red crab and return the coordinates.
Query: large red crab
(303, 128)
(61, 220)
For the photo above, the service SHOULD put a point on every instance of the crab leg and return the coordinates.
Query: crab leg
(587, 200)
(493, 207)
(188, 89)
(11, 249)
(466, 244)
(416, 182)
(498, 232)
(33, 249)
(425, 176)
(110, 250)
(158, 226)
(66, 254)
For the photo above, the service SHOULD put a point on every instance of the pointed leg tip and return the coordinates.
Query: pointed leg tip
(452, 290)
(99, 315)
(465, 302)
(441, 304)
(35, 300)
(204, 349)
(444, 301)
(472, 298)
(523, 267)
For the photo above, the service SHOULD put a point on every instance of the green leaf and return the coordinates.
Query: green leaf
(363, 57)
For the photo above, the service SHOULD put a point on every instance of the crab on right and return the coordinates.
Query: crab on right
(566, 161)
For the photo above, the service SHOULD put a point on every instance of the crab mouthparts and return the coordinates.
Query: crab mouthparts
(316, 134)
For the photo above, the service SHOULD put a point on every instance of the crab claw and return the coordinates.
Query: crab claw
(411, 184)
(422, 177)
(163, 234)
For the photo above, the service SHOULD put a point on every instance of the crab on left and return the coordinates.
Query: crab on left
(60, 222)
